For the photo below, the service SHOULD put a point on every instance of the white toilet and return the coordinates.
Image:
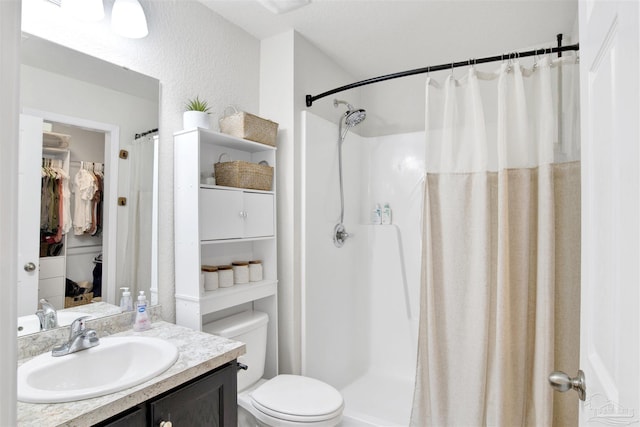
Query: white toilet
(283, 401)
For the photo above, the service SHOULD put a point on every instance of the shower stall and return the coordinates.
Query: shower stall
(361, 281)
(361, 300)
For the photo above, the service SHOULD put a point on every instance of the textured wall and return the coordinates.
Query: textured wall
(192, 51)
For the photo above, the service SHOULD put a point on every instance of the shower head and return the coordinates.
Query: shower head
(356, 117)
(352, 117)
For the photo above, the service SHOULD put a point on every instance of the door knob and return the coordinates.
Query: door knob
(29, 267)
(562, 382)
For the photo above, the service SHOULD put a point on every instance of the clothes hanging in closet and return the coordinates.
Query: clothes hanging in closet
(88, 186)
(55, 220)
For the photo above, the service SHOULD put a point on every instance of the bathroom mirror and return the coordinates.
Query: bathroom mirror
(101, 118)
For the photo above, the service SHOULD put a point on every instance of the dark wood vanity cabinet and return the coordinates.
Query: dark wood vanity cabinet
(208, 401)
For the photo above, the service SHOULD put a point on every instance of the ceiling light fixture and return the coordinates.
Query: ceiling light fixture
(128, 19)
(85, 10)
(279, 7)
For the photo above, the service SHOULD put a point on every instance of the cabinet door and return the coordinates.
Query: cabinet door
(258, 209)
(221, 214)
(208, 401)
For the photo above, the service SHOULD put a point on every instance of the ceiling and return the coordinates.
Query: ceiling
(369, 38)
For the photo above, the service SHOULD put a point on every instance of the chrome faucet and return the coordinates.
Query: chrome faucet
(80, 338)
(47, 316)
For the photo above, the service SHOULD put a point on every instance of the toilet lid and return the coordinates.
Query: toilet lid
(297, 398)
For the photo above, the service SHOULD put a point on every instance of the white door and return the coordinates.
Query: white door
(610, 325)
(30, 154)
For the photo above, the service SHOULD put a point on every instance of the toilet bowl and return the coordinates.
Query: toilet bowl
(285, 400)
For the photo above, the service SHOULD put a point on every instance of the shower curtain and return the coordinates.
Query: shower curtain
(500, 245)
(137, 261)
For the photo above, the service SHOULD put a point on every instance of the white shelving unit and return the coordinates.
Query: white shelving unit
(216, 225)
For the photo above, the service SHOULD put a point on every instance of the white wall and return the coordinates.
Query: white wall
(277, 103)
(291, 67)
(393, 172)
(192, 51)
(335, 336)
(9, 102)
(361, 301)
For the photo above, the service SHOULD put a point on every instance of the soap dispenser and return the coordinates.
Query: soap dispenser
(125, 301)
(141, 322)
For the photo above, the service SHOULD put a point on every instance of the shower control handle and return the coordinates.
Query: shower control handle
(339, 235)
(562, 382)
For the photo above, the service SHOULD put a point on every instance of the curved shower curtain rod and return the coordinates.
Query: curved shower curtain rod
(512, 55)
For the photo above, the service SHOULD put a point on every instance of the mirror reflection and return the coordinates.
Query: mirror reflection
(88, 133)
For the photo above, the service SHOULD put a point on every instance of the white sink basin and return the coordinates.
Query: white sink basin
(115, 364)
(30, 324)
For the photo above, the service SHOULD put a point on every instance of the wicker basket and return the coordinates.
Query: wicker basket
(247, 126)
(81, 299)
(243, 174)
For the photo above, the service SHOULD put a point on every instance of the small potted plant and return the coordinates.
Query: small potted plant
(196, 114)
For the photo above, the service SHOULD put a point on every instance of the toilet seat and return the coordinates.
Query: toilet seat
(298, 399)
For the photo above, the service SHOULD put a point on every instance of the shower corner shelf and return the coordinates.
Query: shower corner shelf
(217, 225)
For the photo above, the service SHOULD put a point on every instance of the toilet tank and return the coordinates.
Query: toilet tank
(249, 327)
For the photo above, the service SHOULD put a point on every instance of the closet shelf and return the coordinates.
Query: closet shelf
(54, 150)
(55, 140)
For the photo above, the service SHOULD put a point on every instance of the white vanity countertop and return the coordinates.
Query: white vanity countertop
(199, 354)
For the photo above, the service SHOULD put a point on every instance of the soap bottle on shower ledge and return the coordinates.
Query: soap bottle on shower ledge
(376, 215)
(386, 214)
